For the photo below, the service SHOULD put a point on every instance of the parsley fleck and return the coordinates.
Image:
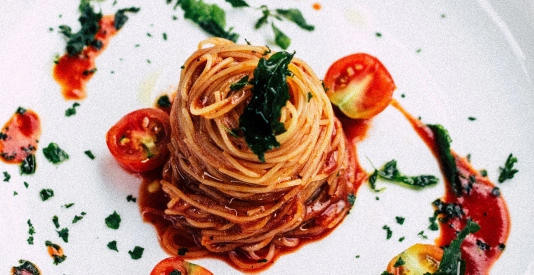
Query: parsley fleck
(26, 185)
(113, 221)
(54, 154)
(113, 245)
(351, 198)
(389, 233)
(64, 234)
(136, 253)
(7, 176)
(68, 205)
(400, 220)
(72, 110)
(55, 220)
(46, 194)
(28, 165)
(401, 239)
(399, 262)
(31, 231)
(496, 191)
(164, 36)
(57, 254)
(164, 102)
(175, 272)
(386, 273)
(433, 224)
(78, 218)
(89, 154)
(262, 261)
(20, 110)
(182, 251)
(86, 35)
(472, 118)
(378, 34)
(508, 171)
(390, 172)
(310, 96)
(121, 18)
(131, 198)
(422, 234)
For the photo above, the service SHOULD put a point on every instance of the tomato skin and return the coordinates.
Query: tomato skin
(138, 141)
(168, 265)
(359, 85)
(418, 259)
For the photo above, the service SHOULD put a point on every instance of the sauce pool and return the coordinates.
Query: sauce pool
(72, 72)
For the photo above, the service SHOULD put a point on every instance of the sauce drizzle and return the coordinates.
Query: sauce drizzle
(72, 72)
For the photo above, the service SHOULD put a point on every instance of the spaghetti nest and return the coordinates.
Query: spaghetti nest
(229, 202)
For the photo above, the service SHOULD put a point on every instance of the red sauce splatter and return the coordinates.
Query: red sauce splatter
(72, 72)
(316, 6)
(19, 136)
(481, 202)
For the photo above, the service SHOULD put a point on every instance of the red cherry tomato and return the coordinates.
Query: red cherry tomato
(359, 85)
(417, 259)
(177, 264)
(138, 141)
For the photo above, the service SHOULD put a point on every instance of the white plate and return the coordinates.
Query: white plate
(476, 59)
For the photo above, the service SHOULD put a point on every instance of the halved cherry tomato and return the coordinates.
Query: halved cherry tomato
(176, 264)
(418, 259)
(138, 141)
(359, 85)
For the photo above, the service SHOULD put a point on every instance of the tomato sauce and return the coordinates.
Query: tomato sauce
(480, 201)
(19, 136)
(72, 72)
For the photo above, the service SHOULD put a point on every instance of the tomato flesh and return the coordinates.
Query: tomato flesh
(418, 259)
(177, 264)
(359, 85)
(138, 141)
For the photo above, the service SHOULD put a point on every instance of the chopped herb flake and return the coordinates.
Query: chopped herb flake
(89, 154)
(351, 198)
(400, 220)
(28, 165)
(54, 154)
(86, 35)
(508, 171)
(78, 218)
(389, 233)
(7, 176)
(46, 194)
(182, 251)
(399, 262)
(113, 245)
(136, 253)
(164, 102)
(72, 110)
(55, 220)
(391, 173)
(131, 198)
(121, 18)
(64, 234)
(113, 221)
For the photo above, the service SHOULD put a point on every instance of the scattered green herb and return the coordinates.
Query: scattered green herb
(389, 233)
(58, 256)
(131, 198)
(78, 218)
(46, 194)
(280, 38)
(210, 17)
(399, 262)
(113, 221)
(175, 272)
(262, 261)
(386, 273)
(260, 121)
(121, 18)
(422, 234)
(89, 154)
(28, 165)
(239, 84)
(390, 172)
(113, 245)
(295, 16)
(86, 35)
(68, 205)
(164, 102)
(483, 172)
(31, 231)
(446, 159)
(433, 224)
(20, 110)
(401, 239)
(55, 220)
(452, 262)
(237, 3)
(72, 110)
(136, 253)
(400, 220)
(26, 185)
(310, 96)
(508, 171)
(64, 234)
(447, 210)
(351, 198)
(7, 176)
(472, 118)
(54, 154)
(378, 34)
(182, 251)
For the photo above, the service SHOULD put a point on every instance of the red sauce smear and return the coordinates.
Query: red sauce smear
(19, 136)
(481, 202)
(72, 72)
(316, 6)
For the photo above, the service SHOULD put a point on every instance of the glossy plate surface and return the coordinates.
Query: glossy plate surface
(451, 60)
